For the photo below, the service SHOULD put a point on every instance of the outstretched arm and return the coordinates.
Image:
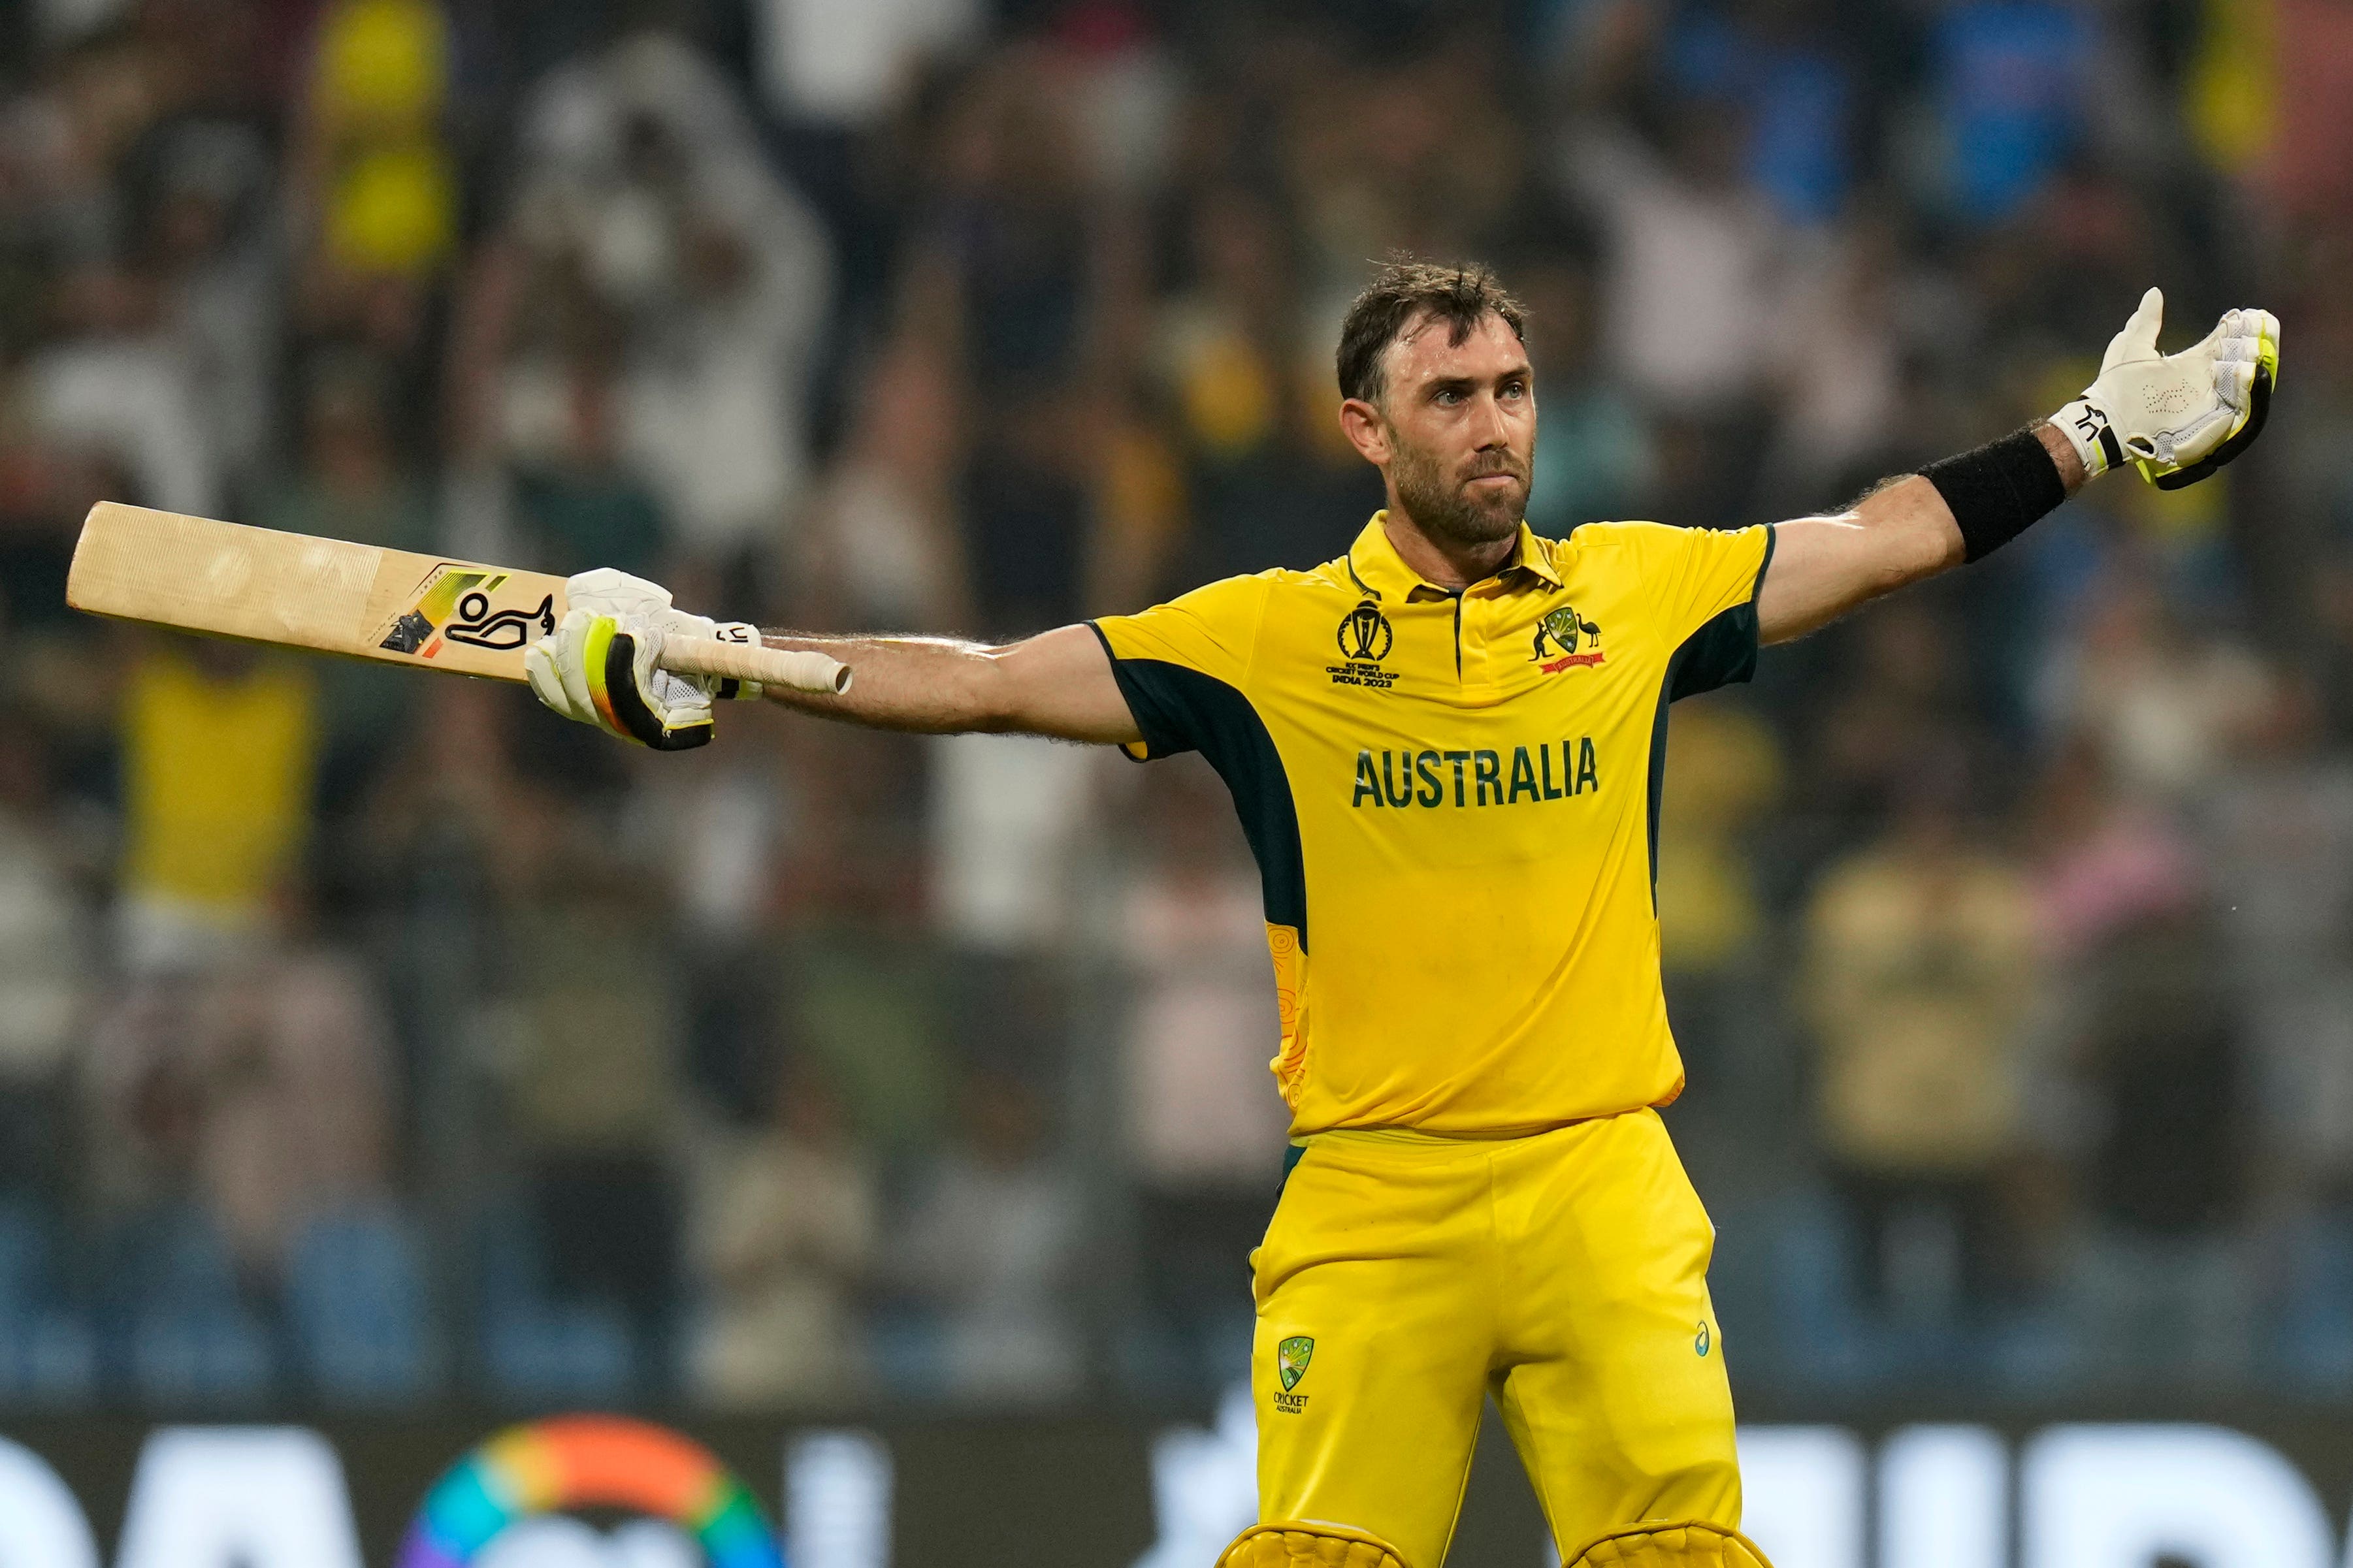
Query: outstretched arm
(1899, 534)
(2176, 417)
(1058, 683)
(603, 666)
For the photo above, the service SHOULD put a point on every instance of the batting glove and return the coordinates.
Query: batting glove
(600, 666)
(2177, 416)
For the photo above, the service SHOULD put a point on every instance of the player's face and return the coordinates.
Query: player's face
(1462, 421)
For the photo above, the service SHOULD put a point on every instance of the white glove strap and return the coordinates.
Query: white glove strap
(748, 635)
(677, 623)
(2088, 430)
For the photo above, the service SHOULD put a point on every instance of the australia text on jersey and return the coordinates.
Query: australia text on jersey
(1418, 777)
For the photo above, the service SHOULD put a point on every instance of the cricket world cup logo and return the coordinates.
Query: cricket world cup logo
(1365, 635)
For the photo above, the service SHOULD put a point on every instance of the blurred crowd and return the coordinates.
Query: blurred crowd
(366, 1037)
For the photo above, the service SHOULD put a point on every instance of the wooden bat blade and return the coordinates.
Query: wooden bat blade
(359, 600)
(328, 595)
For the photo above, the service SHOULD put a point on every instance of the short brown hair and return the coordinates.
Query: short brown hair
(1405, 291)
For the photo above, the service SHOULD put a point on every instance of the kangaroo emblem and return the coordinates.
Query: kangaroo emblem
(1562, 628)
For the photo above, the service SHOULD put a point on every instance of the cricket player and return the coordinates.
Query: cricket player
(1445, 746)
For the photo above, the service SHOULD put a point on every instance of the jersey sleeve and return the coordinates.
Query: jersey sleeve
(1700, 588)
(1180, 663)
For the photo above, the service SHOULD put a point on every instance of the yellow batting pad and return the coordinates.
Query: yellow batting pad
(1694, 1543)
(1303, 1544)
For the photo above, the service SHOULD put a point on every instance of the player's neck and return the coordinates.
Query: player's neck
(1444, 562)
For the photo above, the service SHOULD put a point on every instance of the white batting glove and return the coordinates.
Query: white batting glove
(599, 666)
(2177, 416)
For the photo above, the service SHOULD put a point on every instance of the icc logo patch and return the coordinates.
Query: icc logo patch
(1365, 635)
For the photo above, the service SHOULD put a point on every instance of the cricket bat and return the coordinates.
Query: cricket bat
(262, 585)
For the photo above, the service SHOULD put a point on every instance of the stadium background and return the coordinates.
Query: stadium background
(385, 1054)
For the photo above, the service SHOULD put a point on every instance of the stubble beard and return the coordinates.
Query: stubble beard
(1449, 509)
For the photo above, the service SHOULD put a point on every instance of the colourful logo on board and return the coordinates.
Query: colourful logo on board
(588, 1462)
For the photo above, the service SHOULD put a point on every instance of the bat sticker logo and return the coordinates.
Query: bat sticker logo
(505, 630)
(407, 634)
(453, 605)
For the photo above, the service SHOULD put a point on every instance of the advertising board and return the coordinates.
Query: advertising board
(1912, 1488)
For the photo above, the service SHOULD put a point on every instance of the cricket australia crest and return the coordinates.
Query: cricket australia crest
(1290, 1359)
(1565, 629)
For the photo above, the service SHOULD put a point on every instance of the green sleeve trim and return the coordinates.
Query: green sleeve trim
(1133, 751)
(1721, 653)
(1178, 709)
(1724, 651)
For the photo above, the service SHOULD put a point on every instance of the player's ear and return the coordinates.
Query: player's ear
(1368, 430)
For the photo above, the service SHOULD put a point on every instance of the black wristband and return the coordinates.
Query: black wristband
(1997, 490)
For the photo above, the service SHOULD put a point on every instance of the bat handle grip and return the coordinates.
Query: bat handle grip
(796, 668)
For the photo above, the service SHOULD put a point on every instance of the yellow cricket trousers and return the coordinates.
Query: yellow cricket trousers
(1404, 1277)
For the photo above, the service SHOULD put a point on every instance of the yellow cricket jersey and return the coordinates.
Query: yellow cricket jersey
(1453, 799)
